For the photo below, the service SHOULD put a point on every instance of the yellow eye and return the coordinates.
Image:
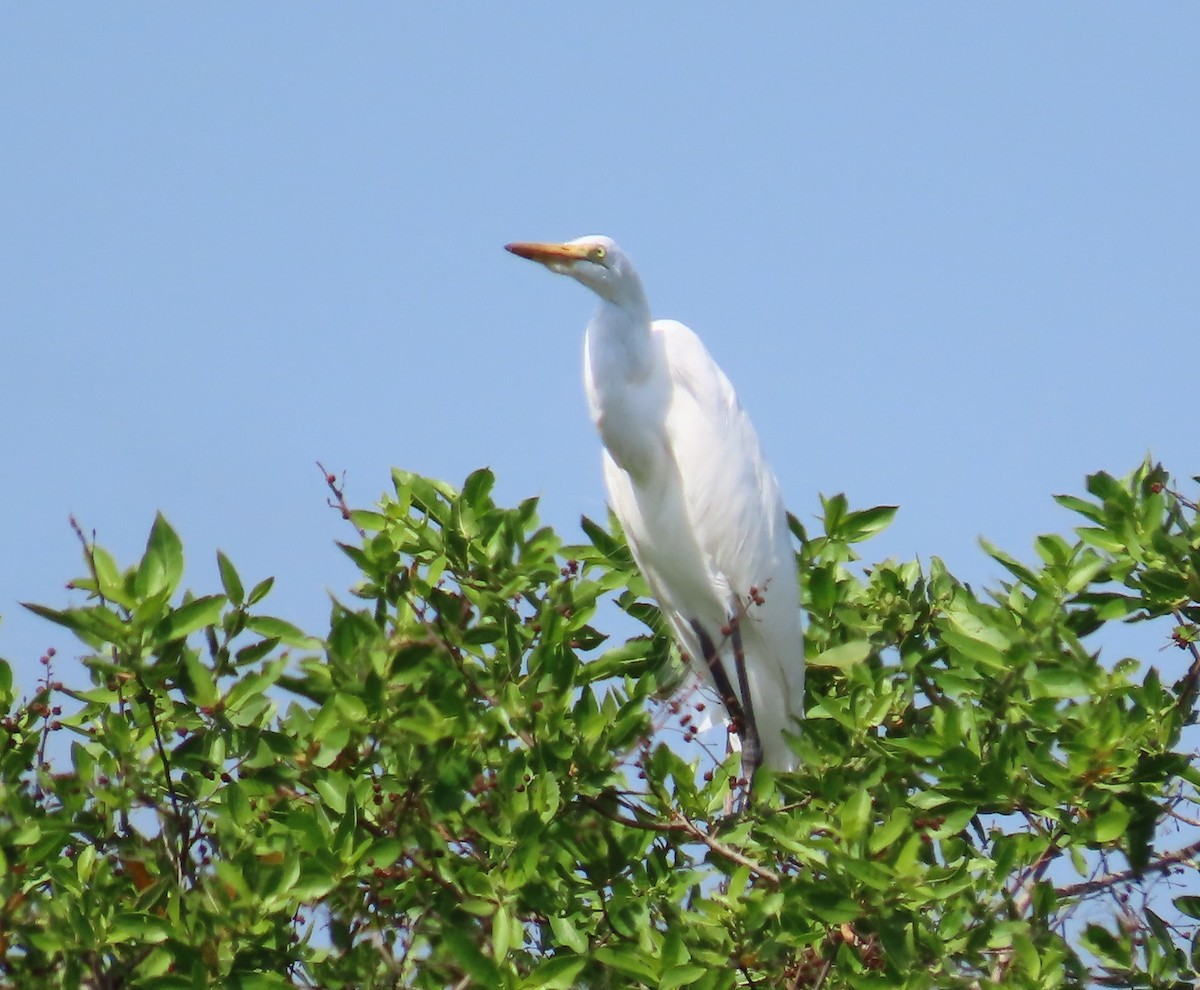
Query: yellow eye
(597, 253)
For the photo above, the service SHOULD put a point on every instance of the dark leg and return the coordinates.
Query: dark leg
(730, 700)
(742, 717)
(712, 660)
(751, 747)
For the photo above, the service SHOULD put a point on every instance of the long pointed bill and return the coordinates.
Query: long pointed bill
(551, 255)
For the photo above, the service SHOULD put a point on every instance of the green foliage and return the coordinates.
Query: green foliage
(458, 783)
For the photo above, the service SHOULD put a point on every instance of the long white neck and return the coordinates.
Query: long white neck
(627, 382)
(619, 345)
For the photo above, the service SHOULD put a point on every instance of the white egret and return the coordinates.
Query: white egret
(700, 506)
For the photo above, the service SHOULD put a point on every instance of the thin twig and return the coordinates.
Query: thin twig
(1160, 865)
(45, 710)
(1182, 499)
(721, 849)
(1187, 820)
(339, 495)
(1190, 681)
(180, 822)
(1023, 894)
(681, 825)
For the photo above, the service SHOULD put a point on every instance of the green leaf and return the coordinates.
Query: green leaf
(1081, 506)
(855, 814)
(567, 934)
(202, 687)
(95, 626)
(130, 926)
(259, 981)
(1010, 563)
(316, 880)
(255, 651)
(333, 790)
(186, 619)
(1189, 904)
(272, 628)
(161, 566)
(975, 649)
(631, 657)
(842, 656)
(353, 710)
(110, 581)
(681, 976)
(556, 973)
(974, 637)
(477, 487)
(858, 526)
(1101, 539)
(822, 588)
(628, 959)
(1085, 570)
(260, 591)
(372, 522)
(1111, 824)
(466, 955)
(229, 579)
(616, 552)
(835, 508)
(887, 833)
(502, 930)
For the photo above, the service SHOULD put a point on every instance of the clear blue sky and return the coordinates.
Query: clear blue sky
(947, 253)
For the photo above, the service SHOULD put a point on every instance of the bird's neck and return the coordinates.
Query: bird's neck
(620, 346)
(626, 375)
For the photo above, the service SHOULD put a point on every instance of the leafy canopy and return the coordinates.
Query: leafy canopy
(459, 782)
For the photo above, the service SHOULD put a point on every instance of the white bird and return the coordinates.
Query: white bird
(700, 506)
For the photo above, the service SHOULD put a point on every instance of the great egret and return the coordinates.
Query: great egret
(700, 507)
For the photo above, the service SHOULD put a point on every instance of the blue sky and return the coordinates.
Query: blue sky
(948, 254)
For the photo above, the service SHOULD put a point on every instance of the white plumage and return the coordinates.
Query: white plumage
(699, 505)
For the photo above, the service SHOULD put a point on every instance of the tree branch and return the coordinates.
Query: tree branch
(339, 496)
(1160, 865)
(681, 825)
(1190, 682)
(721, 849)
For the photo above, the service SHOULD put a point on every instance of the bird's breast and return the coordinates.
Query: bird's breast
(633, 431)
(628, 386)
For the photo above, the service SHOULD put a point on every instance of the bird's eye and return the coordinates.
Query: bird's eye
(598, 253)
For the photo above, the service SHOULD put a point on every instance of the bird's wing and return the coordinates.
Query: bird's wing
(731, 496)
(733, 504)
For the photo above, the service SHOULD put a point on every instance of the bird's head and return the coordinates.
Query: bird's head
(595, 260)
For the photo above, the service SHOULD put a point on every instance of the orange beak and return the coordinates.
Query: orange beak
(548, 254)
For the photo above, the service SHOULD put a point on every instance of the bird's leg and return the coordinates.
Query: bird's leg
(738, 716)
(712, 660)
(751, 747)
